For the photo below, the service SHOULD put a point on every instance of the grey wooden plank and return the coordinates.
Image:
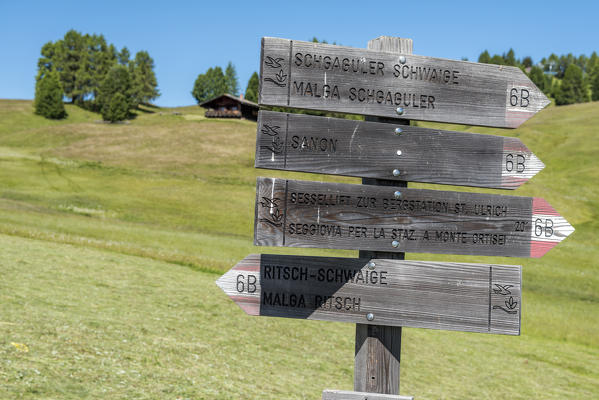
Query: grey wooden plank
(369, 82)
(345, 216)
(419, 294)
(306, 143)
(347, 395)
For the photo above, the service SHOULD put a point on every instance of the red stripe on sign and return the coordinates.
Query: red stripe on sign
(250, 305)
(514, 145)
(538, 248)
(515, 118)
(540, 206)
(510, 181)
(248, 268)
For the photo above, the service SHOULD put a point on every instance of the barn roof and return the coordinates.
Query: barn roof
(230, 96)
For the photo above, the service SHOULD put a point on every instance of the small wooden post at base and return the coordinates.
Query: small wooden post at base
(378, 347)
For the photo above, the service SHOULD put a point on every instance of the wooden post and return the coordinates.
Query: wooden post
(378, 347)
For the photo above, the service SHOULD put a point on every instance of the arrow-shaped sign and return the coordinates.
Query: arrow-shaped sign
(450, 296)
(358, 81)
(297, 142)
(383, 218)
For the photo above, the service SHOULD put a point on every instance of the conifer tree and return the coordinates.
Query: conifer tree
(117, 81)
(251, 92)
(117, 109)
(48, 97)
(209, 85)
(595, 83)
(510, 58)
(572, 90)
(144, 83)
(124, 56)
(231, 79)
(484, 57)
(537, 77)
(68, 54)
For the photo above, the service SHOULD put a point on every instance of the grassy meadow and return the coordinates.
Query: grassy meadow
(112, 236)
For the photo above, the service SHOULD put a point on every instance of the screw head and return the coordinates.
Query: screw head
(395, 172)
(399, 152)
(371, 265)
(402, 59)
(399, 110)
(398, 131)
(397, 194)
(395, 243)
(370, 316)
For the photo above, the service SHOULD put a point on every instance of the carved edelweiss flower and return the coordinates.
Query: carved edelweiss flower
(511, 303)
(281, 77)
(276, 215)
(279, 80)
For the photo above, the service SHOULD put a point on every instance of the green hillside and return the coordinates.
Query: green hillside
(112, 237)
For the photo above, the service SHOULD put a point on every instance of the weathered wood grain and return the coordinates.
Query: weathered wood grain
(369, 82)
(345, 216)
(306, 143)
(482, 298)
(377, 350)
(346, 395)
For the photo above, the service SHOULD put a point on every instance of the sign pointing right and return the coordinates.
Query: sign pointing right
(383, 218)
(358, 81)
(297, 142)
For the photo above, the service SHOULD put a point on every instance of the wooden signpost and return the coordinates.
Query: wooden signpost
(350, 80)
(418, 294)
(379, 291)
(346, 395)
(306, 143)
(345, 216)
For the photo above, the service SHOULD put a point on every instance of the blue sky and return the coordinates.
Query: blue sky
(186, 38)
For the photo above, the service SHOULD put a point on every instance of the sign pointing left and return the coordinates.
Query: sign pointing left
(451, 296)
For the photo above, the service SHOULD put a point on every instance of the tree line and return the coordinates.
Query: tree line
(91, 73)
(214, 82)
(566, 78)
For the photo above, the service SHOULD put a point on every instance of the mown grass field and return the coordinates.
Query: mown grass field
(111, 238)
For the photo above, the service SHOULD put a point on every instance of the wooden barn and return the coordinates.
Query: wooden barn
(229, 106)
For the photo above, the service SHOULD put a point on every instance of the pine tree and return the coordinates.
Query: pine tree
(117, 109)
(201, 88)
(124, 56)
(209, 85)
(48, 97)
(510, 58)
(251, 92)
(497, 59)
(595, 82)
(231, 79)
(117, 81)
(218, 83)
(144, 83)
(484, 57)
(538, 78)
(69, 53)
(572, 90)
(527, 62)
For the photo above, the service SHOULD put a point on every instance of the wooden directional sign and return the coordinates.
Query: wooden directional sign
(296, 142)
(351, 80)
(450, 296)
(382, 218)
(346, 395)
